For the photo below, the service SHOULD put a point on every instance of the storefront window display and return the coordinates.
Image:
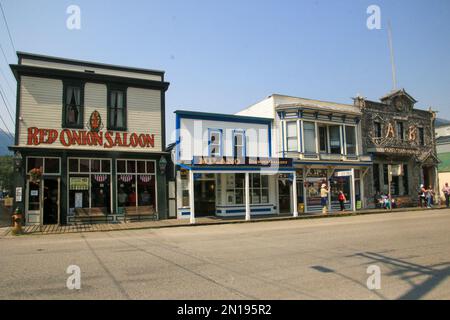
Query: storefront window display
(136, 180)
(89, 184)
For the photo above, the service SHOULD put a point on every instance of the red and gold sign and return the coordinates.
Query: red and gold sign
(107, 140)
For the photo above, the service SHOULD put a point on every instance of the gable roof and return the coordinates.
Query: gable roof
(399, 92)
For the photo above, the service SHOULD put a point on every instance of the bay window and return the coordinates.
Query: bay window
(291, 136)
(309, 132)
(335, 139)
(350, 139)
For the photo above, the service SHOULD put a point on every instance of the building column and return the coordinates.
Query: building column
(247, 196)
(352, 190)
(191, 196)
(294, 193)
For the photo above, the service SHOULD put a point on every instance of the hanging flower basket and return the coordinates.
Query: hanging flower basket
(35, 174)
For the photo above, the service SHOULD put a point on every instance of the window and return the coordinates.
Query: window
(239, 144)
(376, 177)
(116, 109)
(89, 184)
(291, 136)
(421, 136)
(259, 188)
(48, 166)
(235, 188)
(400, 131)
(405, 180)
(350, 138)
(136, 184)
(323, 139)
(73, 105)
(215, 143)
(309, 131)
(377, 129)
(335, 139)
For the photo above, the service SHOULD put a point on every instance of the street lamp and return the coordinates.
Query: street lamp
(18, 160)
(162, 164)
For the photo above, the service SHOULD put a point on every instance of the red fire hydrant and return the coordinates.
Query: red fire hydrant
(17, 222)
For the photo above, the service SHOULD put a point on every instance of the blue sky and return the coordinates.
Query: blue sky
(221, 56)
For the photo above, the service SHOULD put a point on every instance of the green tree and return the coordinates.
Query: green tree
(6, 173)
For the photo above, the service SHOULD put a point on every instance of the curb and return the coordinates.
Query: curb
(223, 222)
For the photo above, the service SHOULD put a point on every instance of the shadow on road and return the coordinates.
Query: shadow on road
(408, 271)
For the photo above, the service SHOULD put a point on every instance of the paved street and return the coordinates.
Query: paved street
(302, 259)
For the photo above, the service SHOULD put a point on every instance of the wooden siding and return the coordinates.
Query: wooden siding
(41, 107)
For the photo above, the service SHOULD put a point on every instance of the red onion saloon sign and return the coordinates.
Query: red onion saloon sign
(107, 140)
(93, 137)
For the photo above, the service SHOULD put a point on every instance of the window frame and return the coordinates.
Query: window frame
(66, 85)
(296, 137)
(244, 143)
(136, 174)
(220, 131)
(43, 165)
(400, 135)
(377, 125)
(90, 173)
(123, 89)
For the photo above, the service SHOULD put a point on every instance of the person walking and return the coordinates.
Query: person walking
(446, 191)
(324, 197)
(430, 194)
(342, 199)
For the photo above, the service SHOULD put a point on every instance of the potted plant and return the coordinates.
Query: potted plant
(17, 221)
(35, 174)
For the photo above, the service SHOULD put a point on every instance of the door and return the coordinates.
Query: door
(33, 203)
(205, 198)
(50, 201)
(284, 195)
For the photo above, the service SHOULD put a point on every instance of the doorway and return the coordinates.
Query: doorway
(50, 208)
(284, 195)
(205, 198)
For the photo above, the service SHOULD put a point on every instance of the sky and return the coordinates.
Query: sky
(222, 56)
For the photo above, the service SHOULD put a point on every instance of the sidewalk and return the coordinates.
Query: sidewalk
(55, 229)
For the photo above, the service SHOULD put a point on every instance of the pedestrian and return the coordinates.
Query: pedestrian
(446, 191)
(342, 199)
(430, 194)
(422, 195)
(324, 197)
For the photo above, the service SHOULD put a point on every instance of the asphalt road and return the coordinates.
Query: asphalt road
(305, 259)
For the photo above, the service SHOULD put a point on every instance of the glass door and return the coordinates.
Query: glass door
(33, 203)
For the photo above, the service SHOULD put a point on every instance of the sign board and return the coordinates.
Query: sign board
(396, 170)
(78, 183)
(343, 173)
(247, 161)
(19, 194)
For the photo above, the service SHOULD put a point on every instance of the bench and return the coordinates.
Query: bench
(139, 213)
(91, 215)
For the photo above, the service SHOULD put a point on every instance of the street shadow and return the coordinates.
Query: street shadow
(408, 271)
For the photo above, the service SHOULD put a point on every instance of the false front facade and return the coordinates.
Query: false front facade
(90, 138)
(323, 139)
(225, 166)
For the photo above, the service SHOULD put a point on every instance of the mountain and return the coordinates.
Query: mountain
(441, 122)
(5, 142)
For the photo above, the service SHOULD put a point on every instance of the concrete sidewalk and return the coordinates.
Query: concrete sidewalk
(203, 221)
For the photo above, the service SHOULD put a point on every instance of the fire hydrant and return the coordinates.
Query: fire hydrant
(17, 222)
